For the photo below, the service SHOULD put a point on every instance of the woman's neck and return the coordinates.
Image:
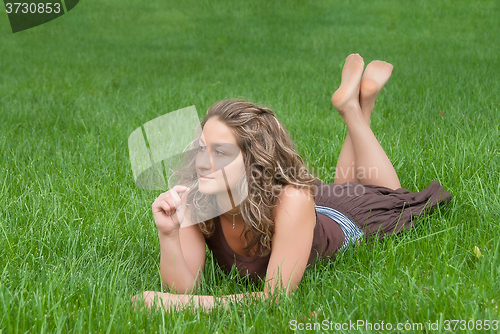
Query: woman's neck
(226, 206)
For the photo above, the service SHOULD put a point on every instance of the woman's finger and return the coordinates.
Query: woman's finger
(160, 206)
(177, 189)
(170, 201)
(180, 188)
(176, 198)
(167, 208)
(163, 195)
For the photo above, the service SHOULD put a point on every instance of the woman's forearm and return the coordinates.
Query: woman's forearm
(180, 301)
(237, 297)
(208, 302)
(173, 268)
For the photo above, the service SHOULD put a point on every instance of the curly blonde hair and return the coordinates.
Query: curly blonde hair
(270, 160)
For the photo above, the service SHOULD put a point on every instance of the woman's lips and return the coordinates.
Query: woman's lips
(204, 178)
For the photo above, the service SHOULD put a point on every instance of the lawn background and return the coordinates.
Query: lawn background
(77, 237)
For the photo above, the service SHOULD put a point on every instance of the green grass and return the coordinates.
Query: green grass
(77, 237)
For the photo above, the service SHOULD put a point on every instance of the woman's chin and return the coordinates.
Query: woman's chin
(208, 189)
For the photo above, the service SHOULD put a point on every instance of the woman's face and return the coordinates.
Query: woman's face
(219, 159)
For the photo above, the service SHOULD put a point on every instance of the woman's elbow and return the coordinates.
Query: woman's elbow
(180, 288)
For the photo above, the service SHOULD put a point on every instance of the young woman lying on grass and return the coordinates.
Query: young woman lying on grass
(288, 218)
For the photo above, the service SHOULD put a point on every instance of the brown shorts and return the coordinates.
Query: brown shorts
(379, 209)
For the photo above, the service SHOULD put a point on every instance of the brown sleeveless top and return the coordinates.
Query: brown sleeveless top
(328, 238)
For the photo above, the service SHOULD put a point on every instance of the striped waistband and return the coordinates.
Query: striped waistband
(351, 231)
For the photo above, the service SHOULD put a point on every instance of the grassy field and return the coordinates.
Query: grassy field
(77, 237)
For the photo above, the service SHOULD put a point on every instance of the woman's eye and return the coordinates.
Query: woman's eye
(202, 148)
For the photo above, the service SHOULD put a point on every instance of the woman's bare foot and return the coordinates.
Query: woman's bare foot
(347, 95)
(376, 75)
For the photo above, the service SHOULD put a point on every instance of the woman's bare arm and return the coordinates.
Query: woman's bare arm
(182, 249)
(294, 220)
(177, 302)
(182, 258)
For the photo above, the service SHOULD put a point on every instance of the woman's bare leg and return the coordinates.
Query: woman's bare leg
(375, 76)
(346, 164)
(361, 151)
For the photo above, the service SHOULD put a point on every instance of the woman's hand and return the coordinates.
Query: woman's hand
(170, 302)
(147, 297)
(168, 209)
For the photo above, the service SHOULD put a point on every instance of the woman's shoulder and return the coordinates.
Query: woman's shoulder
(294, 201)
(293, 193)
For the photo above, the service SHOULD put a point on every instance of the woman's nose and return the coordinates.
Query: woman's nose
(203, 160)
